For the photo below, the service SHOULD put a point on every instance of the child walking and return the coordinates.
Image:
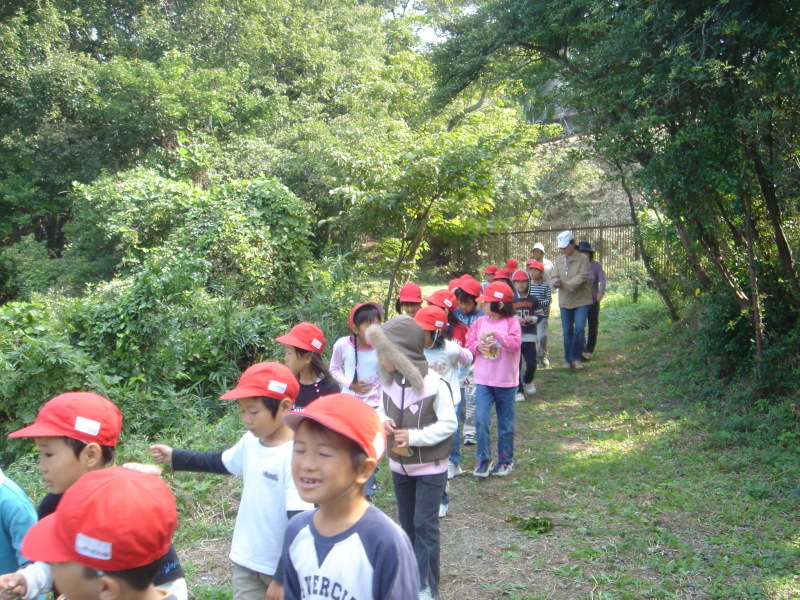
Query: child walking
(354, 364)
(346, 548)
(107, 536)
(419, 417)
(409, 301)
(262, 458)
(467, 312)
(529, 313)
(541, 289)
(76, 433)
(304, 346)
(495, 341)
(445, 357)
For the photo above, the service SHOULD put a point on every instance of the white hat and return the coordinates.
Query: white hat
(564, 238)
(538, 246)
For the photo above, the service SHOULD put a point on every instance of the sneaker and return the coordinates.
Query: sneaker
(586, 355)
(425, 594)
(567, 365)
(453, 470)
(502, 469)
(520, 397)
(483, 468)
(545, 362)
(469, 440)
(576, 364)
(530, 388)
(442, 511)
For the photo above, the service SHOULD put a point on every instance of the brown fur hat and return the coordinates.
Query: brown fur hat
(401, 340)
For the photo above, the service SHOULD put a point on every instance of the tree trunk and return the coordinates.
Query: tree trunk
(756, 320)
(709, 244)
(686, 241)
(662, 291)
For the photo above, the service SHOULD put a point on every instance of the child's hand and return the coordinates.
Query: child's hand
(361, 387)
(274, 591)
(487, 337)
(401, 438)
(388, 427)
(162, 454)
(12, 584)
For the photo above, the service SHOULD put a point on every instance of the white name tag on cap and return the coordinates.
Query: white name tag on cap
(448, 303)
(439, 323)
(316, 343)
(498, 294)
(277, 386)
(85, 425)
(91, 547)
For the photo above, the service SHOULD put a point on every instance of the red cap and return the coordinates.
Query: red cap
(431, 318)
(502, 274)
(110, 519)
(305, 336)
(443, 299)
(491, 269)
(535, 264)
(471, 287)
(410, 292)
(347, 415)
(512, 264)
(454, 283)
(497, 291)
(81, 416)
(520, 276)
(354, 310)
(270, 379)
(467, 276)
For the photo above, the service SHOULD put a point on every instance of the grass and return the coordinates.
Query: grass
(653, 492)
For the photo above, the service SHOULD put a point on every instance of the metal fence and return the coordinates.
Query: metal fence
(614, 243)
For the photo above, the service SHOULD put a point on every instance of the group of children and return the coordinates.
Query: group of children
(306, 527)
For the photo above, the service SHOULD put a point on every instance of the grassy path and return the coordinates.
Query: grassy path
(646, 500)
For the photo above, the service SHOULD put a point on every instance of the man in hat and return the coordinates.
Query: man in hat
(538, 254)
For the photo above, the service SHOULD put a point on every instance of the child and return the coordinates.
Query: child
(541, 289)
(444, 356)
(529, 312)
(17, 515)
(106, 539)
(467, 312)
(488, 275)
(512, 264)
(418, 415)
(304, 346)
(354, 364)
(502, 276)
(76, 433)
(346, 548)
(494, 339)
(262, 458)
(410, 300)
(447, 301)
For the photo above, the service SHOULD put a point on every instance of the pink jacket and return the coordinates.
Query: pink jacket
(504, 370)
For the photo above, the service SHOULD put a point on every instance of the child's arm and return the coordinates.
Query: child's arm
(472, 338)
(464, 356)
(189, 460)
(336, 367)
(446, 420)
(32, 580)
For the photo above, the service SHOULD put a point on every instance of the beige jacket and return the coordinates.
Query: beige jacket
(575, 273)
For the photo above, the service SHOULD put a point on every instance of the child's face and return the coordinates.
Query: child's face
(534, 274)
(387, 364)
(467, 305)
(258, 419)
(410, 308)
(59, 466)
(295, 361)
(361, 329)
(70, 578)
(521, 286)
(488, 276)
(485, 307)
(322, 467)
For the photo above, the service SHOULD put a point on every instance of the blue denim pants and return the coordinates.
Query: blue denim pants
(502, 398)
(418, 511)
(573, 322)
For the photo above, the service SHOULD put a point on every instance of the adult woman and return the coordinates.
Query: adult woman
(597, 285)
(571, 279)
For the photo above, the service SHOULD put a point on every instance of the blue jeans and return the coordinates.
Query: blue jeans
(418, 511)
(573, 322)
(502, 398)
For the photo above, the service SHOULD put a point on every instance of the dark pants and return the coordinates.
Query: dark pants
(418, 510)
(529, 358)
(593, 321)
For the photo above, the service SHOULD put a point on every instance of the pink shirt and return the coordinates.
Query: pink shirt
(504, 370)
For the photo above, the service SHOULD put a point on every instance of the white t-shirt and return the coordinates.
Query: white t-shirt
(343, 367)
(446, 360)
(267, 495)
